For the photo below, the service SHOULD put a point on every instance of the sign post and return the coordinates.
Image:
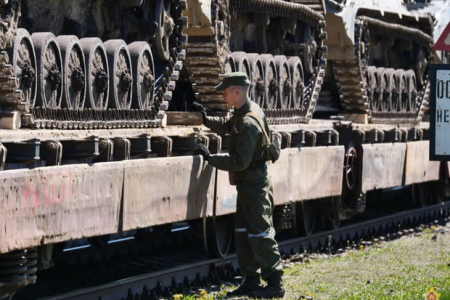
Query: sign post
(440, 102)
(440, 112)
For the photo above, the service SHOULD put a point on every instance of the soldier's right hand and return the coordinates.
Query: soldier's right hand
(201, 109)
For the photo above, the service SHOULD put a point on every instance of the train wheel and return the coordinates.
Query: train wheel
(48, 61)
(217, 235)
(143, 75)
(120, 78)
(97, 71)
(257, 79)
(284, 82)
(402, 91)
(74, 78)
(305, 218)
(270, 82)
(411, 90)
(330, 220)
(242, 64)
(297, 81)
(164, 28)
(386, 90)
(372, 86)
(23, 60)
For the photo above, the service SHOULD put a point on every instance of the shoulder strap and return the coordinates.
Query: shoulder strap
(250, 114)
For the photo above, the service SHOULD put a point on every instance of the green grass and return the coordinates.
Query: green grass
(406, 268)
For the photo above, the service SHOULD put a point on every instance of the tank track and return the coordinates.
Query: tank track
(352, 75)
(205, 60)
(13, 100)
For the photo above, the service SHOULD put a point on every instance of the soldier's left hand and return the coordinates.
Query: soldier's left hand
(203, 151)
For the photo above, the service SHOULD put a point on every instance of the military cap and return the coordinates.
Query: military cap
(234, 78)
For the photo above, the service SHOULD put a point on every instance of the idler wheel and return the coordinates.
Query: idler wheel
(74, 78)
(49, 75)
(143, 75)
(164, 28)
(120, 74)
(23, 60)
(297, 82)
(257, 79)
(411, 88)
(284, 82)
(97, 73)
(271, 92)
(218, 232)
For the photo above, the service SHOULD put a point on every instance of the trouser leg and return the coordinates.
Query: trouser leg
(246, 259)
(256, 201)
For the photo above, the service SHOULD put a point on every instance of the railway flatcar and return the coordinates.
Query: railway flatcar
(98, 133)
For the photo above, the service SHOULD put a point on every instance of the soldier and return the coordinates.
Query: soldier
(246, 163)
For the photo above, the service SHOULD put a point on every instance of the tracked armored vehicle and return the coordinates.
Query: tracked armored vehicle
(378, 53)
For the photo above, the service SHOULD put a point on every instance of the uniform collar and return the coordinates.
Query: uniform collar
(243, 110)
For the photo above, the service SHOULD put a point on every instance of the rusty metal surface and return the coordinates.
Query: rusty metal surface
(226, 195)
(383, 165)
(299, 174)
(54, 204)
(164, 190)
(418, 166)
(307, 173)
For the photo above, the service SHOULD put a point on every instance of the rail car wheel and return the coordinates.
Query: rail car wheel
(257, 79)
(97, 73)
(401, 90)
(387, 84)
(305, 218)
(411, 90)
(284, 82)
(143, 75)
(74, 78)
(270, 82)
(297, 81)
(217, 234)
(373, 91)
(23, 60)
(241, 63)
(164, 28)
(120, 78)
(49, 63)
(329, 219)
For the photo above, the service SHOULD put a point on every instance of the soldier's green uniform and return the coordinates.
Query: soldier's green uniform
(254, 233)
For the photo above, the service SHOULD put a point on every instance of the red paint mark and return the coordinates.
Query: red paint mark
(49, 190)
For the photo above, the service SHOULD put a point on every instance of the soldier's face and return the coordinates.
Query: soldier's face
(230, 94)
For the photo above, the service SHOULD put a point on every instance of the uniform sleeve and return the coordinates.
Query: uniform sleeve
(246, 141)
(219, 125)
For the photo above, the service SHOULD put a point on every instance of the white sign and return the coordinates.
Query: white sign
(442, 116)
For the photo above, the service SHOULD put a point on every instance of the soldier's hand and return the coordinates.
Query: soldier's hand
(203, 151)
(201, 109)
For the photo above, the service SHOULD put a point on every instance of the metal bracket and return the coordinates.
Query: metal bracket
(141, 145)
(163, 146)
(286, 139)
(81, 148)
(26, 151)
(374, 136)
(51, 152)
(215, 143)
(3, 152)
(106, 150)
(122, 149)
